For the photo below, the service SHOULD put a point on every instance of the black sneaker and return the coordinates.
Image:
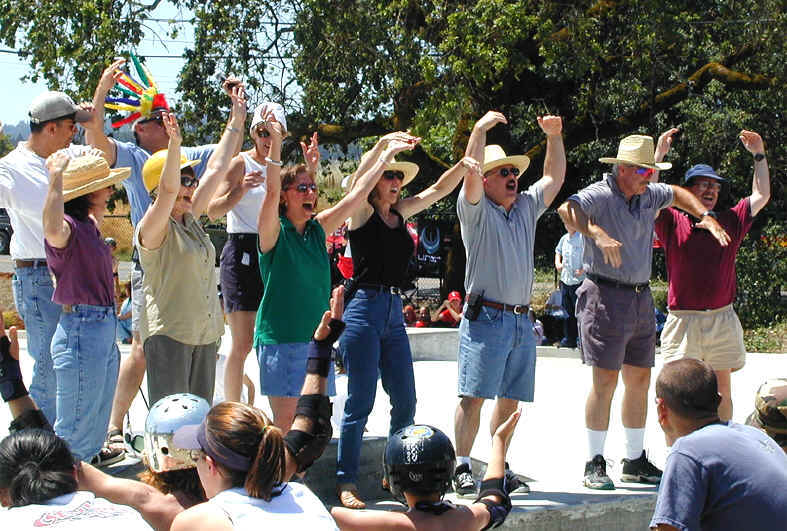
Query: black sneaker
(464, 484)
(640, 470)
(596, 474)
(514, 483)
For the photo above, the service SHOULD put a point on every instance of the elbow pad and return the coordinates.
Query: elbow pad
(307, 447)
(11, 384)
(319, 357)
(498, 512)
(30, 419)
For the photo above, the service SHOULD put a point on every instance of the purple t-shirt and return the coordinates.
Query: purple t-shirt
(83, 268)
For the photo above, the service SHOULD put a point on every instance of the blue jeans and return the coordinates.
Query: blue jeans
(497, 356)
(33, 290)
(86, 360)
(568, 295)
(373, 341)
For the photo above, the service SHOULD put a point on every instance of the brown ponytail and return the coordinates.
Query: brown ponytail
(248, 432)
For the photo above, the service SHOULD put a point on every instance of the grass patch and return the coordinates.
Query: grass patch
(767, 339)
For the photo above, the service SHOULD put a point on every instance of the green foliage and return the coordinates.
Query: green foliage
(762, 272)
(6, 145)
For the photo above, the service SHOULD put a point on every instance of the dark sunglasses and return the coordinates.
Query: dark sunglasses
(154, 118)
(390, 175)
(188, 181)
(262, 132)
(303, 187)
(505, 172)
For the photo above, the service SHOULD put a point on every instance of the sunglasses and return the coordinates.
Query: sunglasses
(262, 132)
(644, 171)
(135, 441)
(188, 181)
(505, 172)
(303, 187)
(705, 185)
(154, 118)
(390, 175)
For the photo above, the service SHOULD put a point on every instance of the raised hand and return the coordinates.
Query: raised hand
(336, 312)
(57, 162)
(238, 95)
(472, 166)
(311, 153)
(230, 83)
(506, 430)
(253, 179)
(665, 142)
(109, 76)
(491, 119)
(172, 127)
(10, 373)
(272, 125)
(397, 145)
(404, 136)
(752, 141)
(551, 125)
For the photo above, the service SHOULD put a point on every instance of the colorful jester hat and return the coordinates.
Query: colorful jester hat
(144, 96)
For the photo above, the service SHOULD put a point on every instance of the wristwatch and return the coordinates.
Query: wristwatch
(710, 213)
(758, 157)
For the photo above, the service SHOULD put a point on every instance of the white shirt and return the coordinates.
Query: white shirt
(243, 216)
(295, 508)
(78, 511)
(24, 182)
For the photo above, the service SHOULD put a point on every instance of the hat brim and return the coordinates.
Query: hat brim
(82, 116)
(115, 176)
(521, 162)
(189, 164)
(409, 169)
(654, 166)
(186, 437)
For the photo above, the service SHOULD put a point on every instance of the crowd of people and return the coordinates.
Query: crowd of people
(229, 466)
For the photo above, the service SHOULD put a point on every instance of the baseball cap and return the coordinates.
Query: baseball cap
(52, 105)
(454, 296)
(265, 108)
(701, 170)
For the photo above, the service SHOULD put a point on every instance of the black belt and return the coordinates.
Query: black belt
(35, 262)
(394, 290)
(241, 235)
(617, 284)
(518, 309)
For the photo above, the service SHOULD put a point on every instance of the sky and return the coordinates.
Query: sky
(164, 71)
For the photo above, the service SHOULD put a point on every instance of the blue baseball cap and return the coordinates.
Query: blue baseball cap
(701, 170)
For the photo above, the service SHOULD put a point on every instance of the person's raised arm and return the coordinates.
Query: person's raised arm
(268, 225)
(662, 148)
(575, 218)
(94, 128)
(446, 184)
(558, 262)
(350, 205)
(220, 159)
(56, 230)
(474, 184)
(555, 160)
(311, 428)
(154, 224)
(761, 183)
(688, 202)
(370, 158)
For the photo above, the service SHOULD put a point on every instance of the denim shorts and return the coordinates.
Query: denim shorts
(497, 356)
(283, 369)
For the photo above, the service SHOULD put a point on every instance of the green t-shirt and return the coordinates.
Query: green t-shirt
(297, 279)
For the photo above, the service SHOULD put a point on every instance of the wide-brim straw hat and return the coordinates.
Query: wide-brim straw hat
(495, 156)
(89, 173)
(409, 169)
(637, 150)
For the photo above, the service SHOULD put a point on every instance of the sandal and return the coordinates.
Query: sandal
(106, 456)
(349, 497)
(114, 440)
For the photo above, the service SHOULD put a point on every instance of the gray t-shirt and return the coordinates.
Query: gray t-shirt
(629, 222)
(723, 477)
(499, 245)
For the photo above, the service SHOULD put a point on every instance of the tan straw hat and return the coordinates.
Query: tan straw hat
(637, 150)
(89, 173)
(494, 156)
(409, 169)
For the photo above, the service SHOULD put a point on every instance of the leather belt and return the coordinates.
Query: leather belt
(29, 263)
(241, 236)
(638, 288)
(517, 309)
(393, 290)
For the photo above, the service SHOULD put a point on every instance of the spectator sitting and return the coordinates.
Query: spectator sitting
(770, 413)
(408, 312)
(124, 317)
(538, 328)
(424, 318)
(450, 312)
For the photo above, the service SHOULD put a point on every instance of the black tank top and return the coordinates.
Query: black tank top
(380, 253)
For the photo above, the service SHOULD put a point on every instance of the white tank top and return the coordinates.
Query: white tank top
(243, 216)
(295, 508)
(78, 511)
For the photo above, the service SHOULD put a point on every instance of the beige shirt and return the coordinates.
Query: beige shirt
(180, 285)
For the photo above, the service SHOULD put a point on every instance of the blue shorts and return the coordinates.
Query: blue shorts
(283, 369)
(497, 356)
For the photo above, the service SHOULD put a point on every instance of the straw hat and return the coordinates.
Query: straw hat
(151, 171)
(637, 150)
(494, 156)
(409, 169)
(89, 173)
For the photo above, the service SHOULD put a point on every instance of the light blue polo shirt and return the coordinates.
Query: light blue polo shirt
(629, 222)
(499, 245)
(133, 156)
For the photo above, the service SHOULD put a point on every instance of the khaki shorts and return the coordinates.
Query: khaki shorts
(713, 336)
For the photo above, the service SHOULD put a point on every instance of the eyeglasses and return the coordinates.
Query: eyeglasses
(505, 172)
(644, 171)
(154, 118)
(188, 181)
(390, 175)
(262, 132)
(303, 187)
(136, 441)
(707, 185)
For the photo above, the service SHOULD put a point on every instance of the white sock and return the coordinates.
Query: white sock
(596, 439)
(463, 460)
(635, 442)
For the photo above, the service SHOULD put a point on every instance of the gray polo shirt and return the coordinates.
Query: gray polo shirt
(499, 245)
(629, 222)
